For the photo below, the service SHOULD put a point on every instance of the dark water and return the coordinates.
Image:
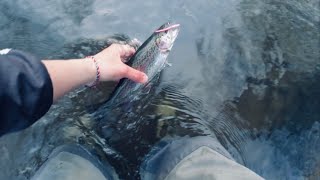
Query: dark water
(245, 72)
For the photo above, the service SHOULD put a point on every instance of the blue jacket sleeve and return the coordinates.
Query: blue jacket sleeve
(26, 91)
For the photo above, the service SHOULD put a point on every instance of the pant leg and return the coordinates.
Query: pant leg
(70, 162)
(193, 158)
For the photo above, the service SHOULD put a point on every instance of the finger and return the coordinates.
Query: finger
(135, 43)
(125, 59)
(135, 75)
(126, 51)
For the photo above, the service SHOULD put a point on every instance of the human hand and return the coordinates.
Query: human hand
(112, 64)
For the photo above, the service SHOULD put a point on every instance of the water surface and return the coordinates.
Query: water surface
(244, 72)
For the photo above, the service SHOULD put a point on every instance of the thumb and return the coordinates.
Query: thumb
(135, 75)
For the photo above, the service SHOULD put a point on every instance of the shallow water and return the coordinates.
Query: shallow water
(245, 72)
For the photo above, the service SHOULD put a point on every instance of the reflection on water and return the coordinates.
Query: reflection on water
(245, 72)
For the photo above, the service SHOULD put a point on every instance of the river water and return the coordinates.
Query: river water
(244, 72)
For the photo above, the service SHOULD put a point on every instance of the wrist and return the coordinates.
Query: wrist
(92, 70)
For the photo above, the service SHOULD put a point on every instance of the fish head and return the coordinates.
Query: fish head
(166, 35)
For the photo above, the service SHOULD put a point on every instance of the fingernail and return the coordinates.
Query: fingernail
(145, 78)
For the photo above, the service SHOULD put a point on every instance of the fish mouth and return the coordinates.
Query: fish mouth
(174, 26)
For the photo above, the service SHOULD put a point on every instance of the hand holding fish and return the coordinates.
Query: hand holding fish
(108, 65)
(150, 58)
(112, 64)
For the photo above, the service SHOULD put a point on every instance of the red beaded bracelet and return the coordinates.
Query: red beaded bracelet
(96, 81)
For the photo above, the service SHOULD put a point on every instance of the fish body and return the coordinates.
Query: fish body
(150, 58)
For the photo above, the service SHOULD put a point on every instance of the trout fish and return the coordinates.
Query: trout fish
(150, 58)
